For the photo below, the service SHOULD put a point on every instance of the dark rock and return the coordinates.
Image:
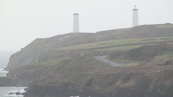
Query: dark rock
(4, 81)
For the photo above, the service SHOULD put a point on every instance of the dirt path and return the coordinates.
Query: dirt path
(104, 60)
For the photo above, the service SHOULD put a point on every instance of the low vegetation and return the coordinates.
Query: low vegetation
(68, 61)
(119, 44)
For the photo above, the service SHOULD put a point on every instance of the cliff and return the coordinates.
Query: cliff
(65, 65)
(46, 49)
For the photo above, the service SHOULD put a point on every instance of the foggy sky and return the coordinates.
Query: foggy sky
(21, 21)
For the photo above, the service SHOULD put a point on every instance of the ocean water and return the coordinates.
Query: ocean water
(3, 73)
(9, 91)
(5, 91)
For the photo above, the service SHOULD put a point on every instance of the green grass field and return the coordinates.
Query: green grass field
(51, 62)
(121, 44)
(164, 26)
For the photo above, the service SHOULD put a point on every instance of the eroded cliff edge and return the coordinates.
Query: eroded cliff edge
(64, 65)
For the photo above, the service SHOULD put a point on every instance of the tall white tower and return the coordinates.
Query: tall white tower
(135, 17)
(75, 22)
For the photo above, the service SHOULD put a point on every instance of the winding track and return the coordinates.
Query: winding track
(104, 60)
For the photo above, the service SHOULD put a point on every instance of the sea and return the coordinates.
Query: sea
(9, 91)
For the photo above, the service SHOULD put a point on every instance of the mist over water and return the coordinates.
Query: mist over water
(3, 73)
(5, 91)
(9, 91)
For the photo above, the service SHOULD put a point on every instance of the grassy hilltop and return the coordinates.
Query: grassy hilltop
(103, 42)
(65, 65)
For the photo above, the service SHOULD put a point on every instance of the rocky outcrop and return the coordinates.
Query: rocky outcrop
(46, 49)
(49, 72)
(88, 77)
(61, 90)
(4, 82)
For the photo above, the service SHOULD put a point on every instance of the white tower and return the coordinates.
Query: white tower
(75, 22)
(135, 17)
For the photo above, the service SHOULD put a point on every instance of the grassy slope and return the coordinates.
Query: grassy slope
(76, 70)
(101, 42)
(142, 54)
(67, 64)
(118, 44)
(152, 79)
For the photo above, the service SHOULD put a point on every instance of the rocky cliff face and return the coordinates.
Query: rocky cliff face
(5, 82)
(50, 72)
(62, 90)
(84, 78)
(46, 49)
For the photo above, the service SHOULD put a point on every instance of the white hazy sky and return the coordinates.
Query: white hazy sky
(21, 21)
